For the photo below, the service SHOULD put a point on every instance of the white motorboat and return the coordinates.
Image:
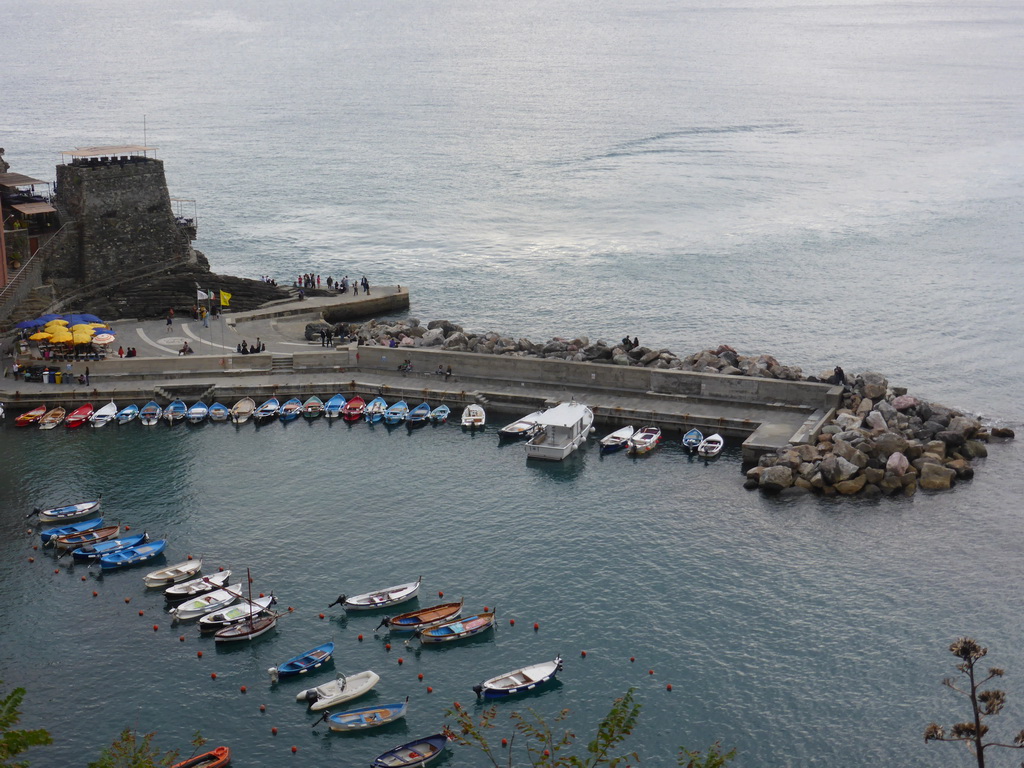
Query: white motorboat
(204, 604)
(235, 614)
(473, 417)
(644, 441)
(200, 586)
(564, 428)
(342, 689)
(382, 598)
(711, 446)
(522, 429)
(104, 415)
(616, 441)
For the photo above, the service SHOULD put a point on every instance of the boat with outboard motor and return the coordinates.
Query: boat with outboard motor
(563, 429)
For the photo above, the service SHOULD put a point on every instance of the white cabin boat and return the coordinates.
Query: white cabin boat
(563, 429)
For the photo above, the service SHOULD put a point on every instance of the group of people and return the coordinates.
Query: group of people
(130, 352)
(268, 280)
(628, 345)
(245, 349)
(326, 337)
(310, 280)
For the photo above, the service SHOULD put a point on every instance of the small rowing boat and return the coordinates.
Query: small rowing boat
(96, 551)
(151, 413)
(418, 416)
(440, 414)
(414, 754)
(267, 411)
(644, 441)
(92, 536)
(615, 441)
(128, 413)
(458, 629)
(353, 409)
(313, 408)
(366, 717)
(291, 409)
(375, 410)
(215, 758)
(197, 413)
(104, 415)
(133, 555)
(71, 512)
(204, 604)
(301, 664)
(692, 439)
(79, 416)
(219, 412)
(473, 417)
(520, 680)
(521, 429)
(194, 587)
(52, 418)
(172, 574)
(247, 630)
(382, 598)
(343, 688)
(235, 614)
(64, 530)
(30, 417)
(397, 413)
(711, 446)
(175, 412)
(334, 406)
(242, 411)
(422, 618)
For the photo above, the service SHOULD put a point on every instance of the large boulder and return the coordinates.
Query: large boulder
(873, 385)
(876, 421)
(456, 341)
(846, 450)
(851, 486)
(889, 443)
(974, 449)
(897, 464)
(446, 326)
(775, 479)
(905, 402)
(848, 421)
(835, 469)
(965, 426)
(935, 477)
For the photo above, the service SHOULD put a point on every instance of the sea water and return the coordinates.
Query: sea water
(833, 184)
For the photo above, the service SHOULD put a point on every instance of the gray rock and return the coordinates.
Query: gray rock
(965, 426)
(875, 420)
(873, 385)
(905, 402)
(774, 479)
(446, 326)
(935, 477)
(974, 449)
(847, 451)
(889, 443)
(955, 439)
(851, 486)
(621, 360)
(848, 421)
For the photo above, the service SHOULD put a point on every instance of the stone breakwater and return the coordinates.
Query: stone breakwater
(881, 442)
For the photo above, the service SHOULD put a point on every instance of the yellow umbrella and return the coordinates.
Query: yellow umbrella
(98, 325)
(80, 337)
(60, 338)
(82, 327)
(58, 321)
(40, 336)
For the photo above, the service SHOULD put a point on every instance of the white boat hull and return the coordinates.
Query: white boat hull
(338, 691)
(564, 428)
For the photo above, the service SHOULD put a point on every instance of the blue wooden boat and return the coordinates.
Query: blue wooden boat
(197, 413)
(458, 629)
(440, 414)
(332, 408)
(692, 439)
(127, 413)
(414, 754)
(175, 412)
(366, 717)
(96, 551)
(151, 413)
(301, 664)
(519, 680)
(267, 411)
(70, 528)
(397, 413)
(219, 412)
(291, 409)
(133, 555)
(375, 410)
(418, 416)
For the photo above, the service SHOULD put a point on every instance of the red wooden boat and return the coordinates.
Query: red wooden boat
(79, 416)
(30, 417)
(215, 758)
(353, 410)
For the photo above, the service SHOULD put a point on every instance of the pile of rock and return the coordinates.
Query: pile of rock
(881, 442)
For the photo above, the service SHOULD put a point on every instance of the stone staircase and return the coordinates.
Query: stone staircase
(281, 364)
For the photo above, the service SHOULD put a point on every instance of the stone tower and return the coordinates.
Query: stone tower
(123, 223)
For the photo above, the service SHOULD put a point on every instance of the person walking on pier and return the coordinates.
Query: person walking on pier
(170, 319)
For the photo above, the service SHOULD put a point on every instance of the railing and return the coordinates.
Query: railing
(28, 277)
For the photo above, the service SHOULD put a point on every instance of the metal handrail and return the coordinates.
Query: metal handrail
(48, 245)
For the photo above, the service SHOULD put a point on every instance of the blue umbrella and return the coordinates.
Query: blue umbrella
(47, 318)
(30, 323)
(75, 319)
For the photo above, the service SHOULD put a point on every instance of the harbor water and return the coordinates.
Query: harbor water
(830, 184)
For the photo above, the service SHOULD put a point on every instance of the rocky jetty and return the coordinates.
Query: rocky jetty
(881, 442)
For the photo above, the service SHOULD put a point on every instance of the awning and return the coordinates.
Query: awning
(18, 180)
(30, 209)
(105, 151)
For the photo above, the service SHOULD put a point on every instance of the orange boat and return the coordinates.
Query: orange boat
(30, 417)
(213, 759)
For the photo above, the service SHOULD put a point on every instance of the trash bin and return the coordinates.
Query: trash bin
(60, 376)
(53, 377)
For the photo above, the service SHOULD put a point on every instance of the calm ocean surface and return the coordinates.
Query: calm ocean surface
(830, 183)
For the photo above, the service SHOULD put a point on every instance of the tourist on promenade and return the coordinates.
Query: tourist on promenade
(366, 285)
(330, 337)
(120, 352)
(448, 373)
(87, 375)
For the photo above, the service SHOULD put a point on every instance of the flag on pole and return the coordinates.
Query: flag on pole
(201, 294)
(225, 298)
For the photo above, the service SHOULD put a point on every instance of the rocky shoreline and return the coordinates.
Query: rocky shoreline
(881, 442)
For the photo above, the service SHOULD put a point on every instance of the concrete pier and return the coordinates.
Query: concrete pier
(764, 413)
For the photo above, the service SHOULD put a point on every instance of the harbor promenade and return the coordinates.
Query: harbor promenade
(763, 413)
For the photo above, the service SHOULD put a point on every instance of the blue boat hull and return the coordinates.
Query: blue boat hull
(311, 659)
(64, 530)
(96, 551)
(133, 555)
